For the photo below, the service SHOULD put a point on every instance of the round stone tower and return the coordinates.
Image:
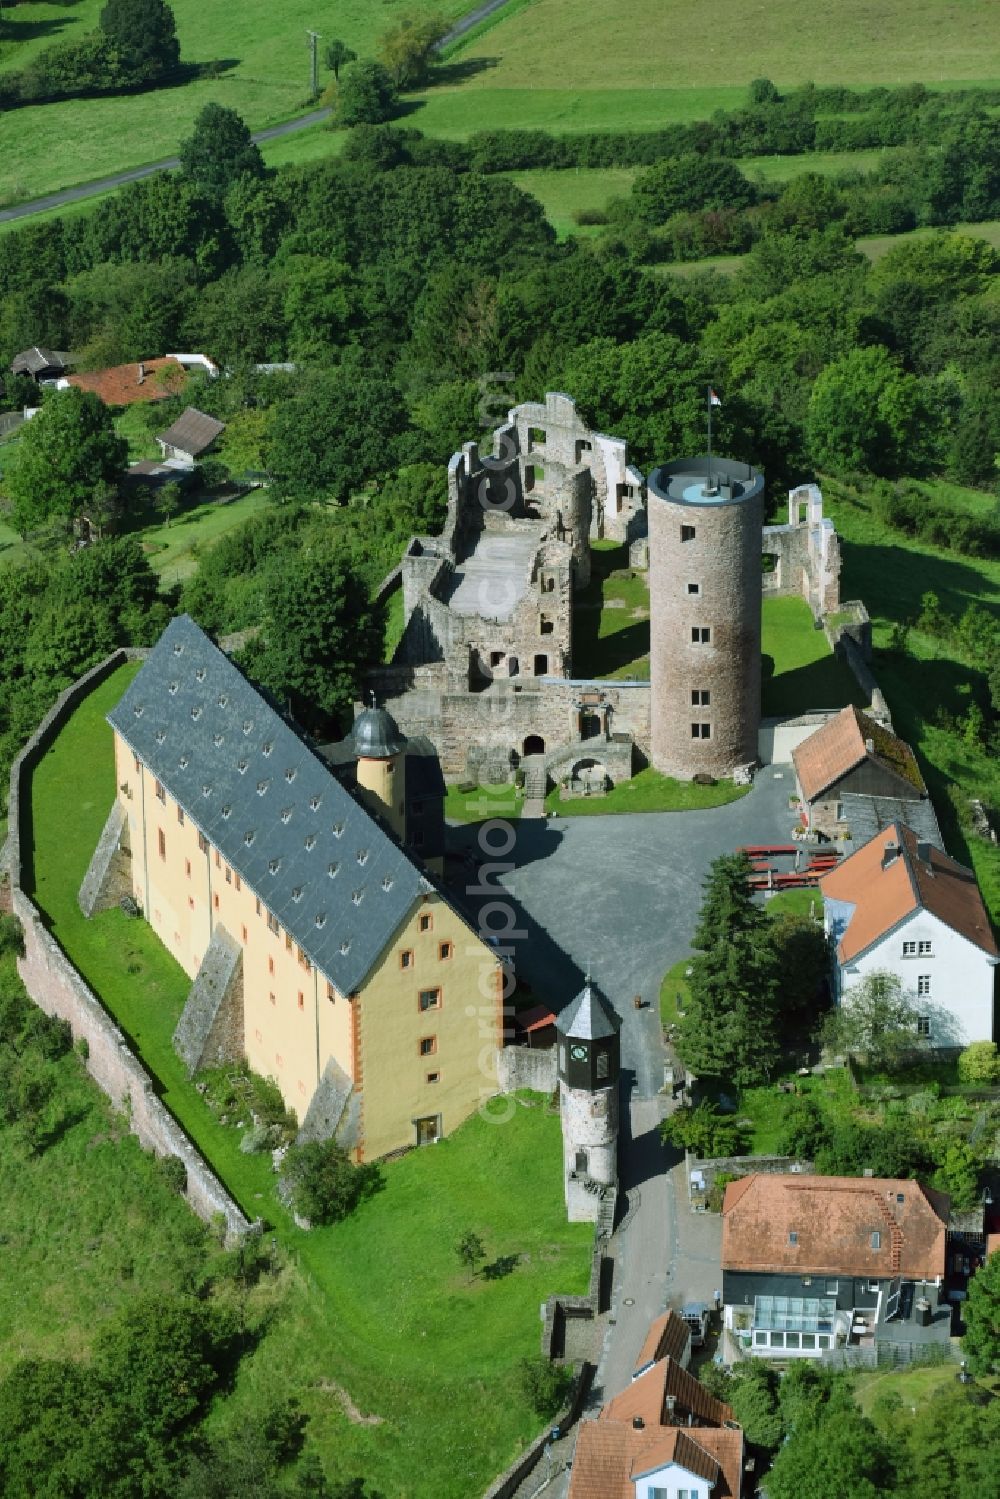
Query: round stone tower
(589, 1071)
(379, 743)
(705, 596)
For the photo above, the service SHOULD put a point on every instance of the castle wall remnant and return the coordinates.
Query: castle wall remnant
(706, 519)
(802, 558)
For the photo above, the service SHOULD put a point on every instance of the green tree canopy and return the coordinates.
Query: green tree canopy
(326, 1186)
(876, 1018)
(219, 150)
(982, 1318)
(842, 1453)
(366, 95)
(67, 451)
(336, 55)
(689, 183)
(144, 36)
(407, 49)
(341, 429)
(866, 413)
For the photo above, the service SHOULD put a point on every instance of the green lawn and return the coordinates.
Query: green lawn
(264, 75)
(930, 683)
(611, 618)
(393, 632)
(379, 1306)
(767, 1107)
(877, 245)
(798, 669)
(482, 803)
(173, 549)
(649, 791)
(674, 991)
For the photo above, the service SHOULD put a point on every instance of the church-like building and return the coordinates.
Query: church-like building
(320, 949)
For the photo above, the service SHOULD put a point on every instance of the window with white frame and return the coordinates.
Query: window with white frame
(923, 1025)
(923, 984)
(909, 949)
(924, 949)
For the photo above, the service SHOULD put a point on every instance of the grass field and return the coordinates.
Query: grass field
(482, 803)
(649, 791)
(382, 1308)
(611, 618)
(265, 76)
(798, 669)
(580, 64)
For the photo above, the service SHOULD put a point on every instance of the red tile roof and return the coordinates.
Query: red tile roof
(610, 1455)
(668, 1337)
(646, 1397)
(841, 744)
(125, 384)
(833, 1219)
(885, 896)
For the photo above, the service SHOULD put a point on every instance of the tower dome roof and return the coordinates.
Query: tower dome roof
(590, 1016)
(377, 735)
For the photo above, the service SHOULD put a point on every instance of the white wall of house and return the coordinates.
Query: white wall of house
(949, 979)
(673, 1482)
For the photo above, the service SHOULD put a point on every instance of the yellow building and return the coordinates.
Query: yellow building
(318, 948)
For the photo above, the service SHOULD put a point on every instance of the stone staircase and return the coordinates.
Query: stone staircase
(535, 785)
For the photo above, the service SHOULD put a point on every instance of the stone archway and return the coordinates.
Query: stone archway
(534, 744)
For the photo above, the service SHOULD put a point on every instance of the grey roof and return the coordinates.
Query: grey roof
(32, 361)
(336, 882)
(192, 432)
(590, 1017)
(868, 815)
(377, 735)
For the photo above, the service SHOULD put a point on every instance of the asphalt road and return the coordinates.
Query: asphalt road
(288, 127)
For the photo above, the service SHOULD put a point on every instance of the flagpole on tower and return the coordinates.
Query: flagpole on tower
(708, 400)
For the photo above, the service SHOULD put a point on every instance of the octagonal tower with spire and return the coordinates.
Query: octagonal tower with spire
(589, 1070)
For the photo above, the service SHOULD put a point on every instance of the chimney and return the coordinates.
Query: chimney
(870, 746)
(890, 854)
(142, 372)
(671, 1405)
(637, 1423)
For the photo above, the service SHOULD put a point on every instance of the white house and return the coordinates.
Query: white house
(899, 905)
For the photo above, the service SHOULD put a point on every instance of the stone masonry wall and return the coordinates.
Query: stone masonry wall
(56, 987)
(524, 1067)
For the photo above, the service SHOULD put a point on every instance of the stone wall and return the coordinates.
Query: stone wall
(806, 553)
(739, 1165)
(522, 1067)
(56, 987)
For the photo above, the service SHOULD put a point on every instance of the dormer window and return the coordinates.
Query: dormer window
(196, 712)
(223, 699)
(338, 830)
(357, 896)
(333, 870)
(387, 882)
(262, 787)
(241, 766)
(314, 802)
(247, 726)
(183, 762)
(138, 710)
(310, 842)
(321, 919)
(172, 688)
(218, 740)
(286, 814)
(227, 811)
(249, 837)
(200, 674)
(160, 735)
(290, 774)
(178, 649)
(266, 748)
(273, 865)
(297, 893)
(206, 791)
(345, 948)
(362, 856)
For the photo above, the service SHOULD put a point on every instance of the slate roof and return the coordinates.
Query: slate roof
(590, 1017)
(883, 897)
(192, 432)
(841, 745)
(832, 1219)
(32, 361)
(336, 882)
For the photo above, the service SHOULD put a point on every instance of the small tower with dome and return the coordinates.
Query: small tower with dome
(589, 1060)
(380, 746)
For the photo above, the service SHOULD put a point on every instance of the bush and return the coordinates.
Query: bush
(325, 1185)
(980, 1064)
(704, 1131)
(544, 1385)
(173, 1172)
(11, 936)
(366, 95)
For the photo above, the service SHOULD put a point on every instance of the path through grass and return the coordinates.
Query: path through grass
(381, 1306)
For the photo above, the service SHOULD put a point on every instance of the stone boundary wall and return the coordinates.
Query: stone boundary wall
(508, 1483)
(58, 989)
(523, 1067)
(851, 653)
(739, 1165)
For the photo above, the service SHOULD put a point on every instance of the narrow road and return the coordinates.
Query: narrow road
(85, 190)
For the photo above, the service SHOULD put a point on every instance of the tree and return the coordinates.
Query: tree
(407, 48)
(66, 452)
(341, 429)
(753, 1395)
(168, 501)
(544, 1385)
(952, 1448)
(337, 54)
(703, 1131)
(866, 413)
(981, 1313)
(325, 1185)
(687, 184)
(979, 1063)
(875, 1018)
(470, 1250)
(318, 634)
(143, 33)
(729, 1025)
(219, 150)
(367, 95)
(841, 1454)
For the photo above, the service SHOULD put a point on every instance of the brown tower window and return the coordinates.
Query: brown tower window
(687, 533)
(430, 999)
(694, 588)
(701, 731)
(428, 1046)
(701, 634)
(700, 697)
